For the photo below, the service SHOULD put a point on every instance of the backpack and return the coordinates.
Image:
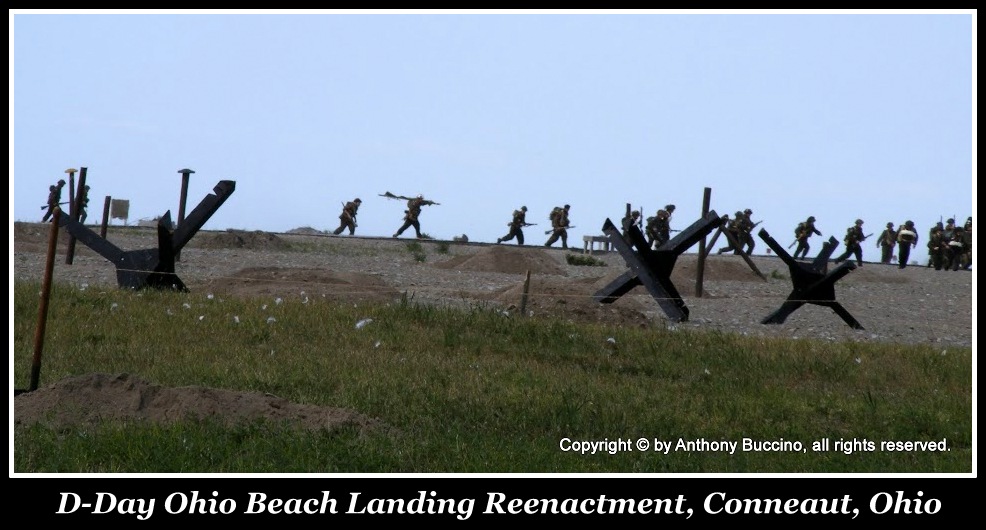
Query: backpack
(798, 230)
(555, 214)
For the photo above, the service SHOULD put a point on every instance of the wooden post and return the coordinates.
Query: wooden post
(39, 333)
(75, 213)
(181, 201)
(523, 298)
(106, 217)
(71, 190)
(700, 269)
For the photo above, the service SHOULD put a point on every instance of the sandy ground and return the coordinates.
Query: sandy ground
(916, 305)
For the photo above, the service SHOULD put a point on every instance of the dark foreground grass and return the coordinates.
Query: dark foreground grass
(477, 391)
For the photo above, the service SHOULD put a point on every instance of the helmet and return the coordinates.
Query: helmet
(669, 207)
(739, 213)
(61, 182)
(357, 200)
(567, 206)
(890, 225)
(859, 221)
(909, 224)
(950, 221)
(635, 213)
(811, 218)
(523, 208)
(748, 211)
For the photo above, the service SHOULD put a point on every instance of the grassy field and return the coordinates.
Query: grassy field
(478, 391)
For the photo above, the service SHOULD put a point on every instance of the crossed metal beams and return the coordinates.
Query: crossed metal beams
(652, 268)
(813, 284)
(153, 267)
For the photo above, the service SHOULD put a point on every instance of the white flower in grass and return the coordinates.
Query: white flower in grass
(210, 296)
(943, 352)
(707, 372)
(611, 340)
(113, 306)
(201, 318)
(377, 345)
(168, 312)
(186, 305)
(236, 319)
(858, 360)
(83, 287)
(271, 320)
(364, 322)
(263, 307)
(278, 300)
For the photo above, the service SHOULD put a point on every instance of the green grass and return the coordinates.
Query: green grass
(476, 391)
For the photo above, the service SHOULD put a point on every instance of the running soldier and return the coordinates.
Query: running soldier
(853, 240)
(411, 215)
(54, 198)
(907, 237)
(518, 222)
(887, 242)
(559, 226)
(659, 228)
(802, 233)
(347, 219)
(735, 229)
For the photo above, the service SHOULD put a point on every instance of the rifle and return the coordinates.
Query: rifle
(792, 243)
(546, 232)
(525, 224)
(45, 207)
(389, 195)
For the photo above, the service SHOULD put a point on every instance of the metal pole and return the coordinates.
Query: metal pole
(181, 203)
(75, 213)
(523, 298)
(106, 217)
(39, 333)
(700, 269)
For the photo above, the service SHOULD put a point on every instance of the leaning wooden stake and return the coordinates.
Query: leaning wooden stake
(39, 333)
(523, 298)
(700, 268)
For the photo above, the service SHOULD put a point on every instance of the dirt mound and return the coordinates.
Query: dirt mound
(308, 231)
(573, 299)
(257, 240)
(276, 281)
(92, 398)
(506, 260)
(717, 268)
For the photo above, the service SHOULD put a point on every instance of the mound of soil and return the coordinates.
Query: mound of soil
(89, 399)
(308, 231)
(572, 299)
(276, 281)
(506, 260)
(257, 240)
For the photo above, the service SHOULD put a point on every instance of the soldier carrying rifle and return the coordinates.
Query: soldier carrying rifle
(516, 224)
(414, 205)
(559, 226)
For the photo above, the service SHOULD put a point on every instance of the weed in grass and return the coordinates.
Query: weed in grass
(584, 260)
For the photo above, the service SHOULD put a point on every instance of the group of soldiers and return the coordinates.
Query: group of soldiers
(55, 200)
(949, 246)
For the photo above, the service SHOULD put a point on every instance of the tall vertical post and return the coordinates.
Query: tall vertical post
(75, 213)
(71, 189)
(106, 217)
(700, 269)
(39, 332)
(523, 297)
(181, 202)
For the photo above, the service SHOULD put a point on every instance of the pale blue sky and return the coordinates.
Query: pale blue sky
(840, 116)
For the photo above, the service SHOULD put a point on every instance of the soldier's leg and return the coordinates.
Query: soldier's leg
(520, 236)
(352, 227)
(342, 226)
(417, 228)
(405, 226)
(564, 239)
(551, 240)
(905, 253)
